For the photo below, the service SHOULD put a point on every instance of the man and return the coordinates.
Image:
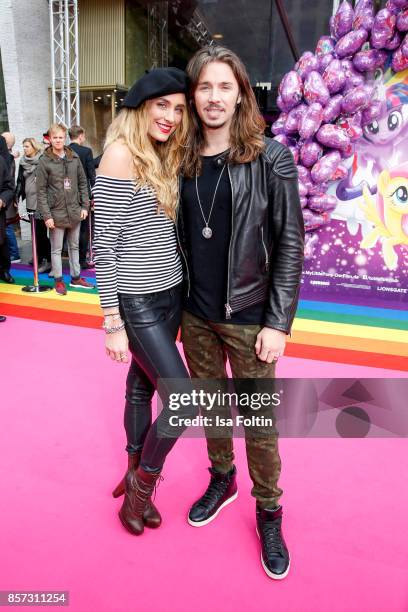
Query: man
(241, 229)
(6, 200)
(62, 200)
(12, 211)
(77, 137)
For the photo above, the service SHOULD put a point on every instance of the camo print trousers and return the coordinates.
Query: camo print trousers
(207, 346)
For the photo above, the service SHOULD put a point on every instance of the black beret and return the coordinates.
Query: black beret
(156, 83)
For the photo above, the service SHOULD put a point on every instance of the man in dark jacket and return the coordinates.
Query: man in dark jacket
(63, 201)
(77, 138)
(6, 200)
(241, 232)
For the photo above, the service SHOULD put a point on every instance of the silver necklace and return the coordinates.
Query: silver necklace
(207, 231)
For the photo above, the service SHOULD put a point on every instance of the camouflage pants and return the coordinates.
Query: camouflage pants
(207, 346)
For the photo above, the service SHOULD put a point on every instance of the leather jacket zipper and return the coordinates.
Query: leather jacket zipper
(266, 252)
(178, 237)
(228, 309)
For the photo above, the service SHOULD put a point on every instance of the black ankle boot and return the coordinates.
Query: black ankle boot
(221, 491)
(274, 555)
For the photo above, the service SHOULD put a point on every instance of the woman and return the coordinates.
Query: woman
(138, 268)
(6, 199)
(27, 190)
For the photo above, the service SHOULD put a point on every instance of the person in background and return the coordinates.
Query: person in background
(26, 190)
(63, 201)
(6, 200)
(78, 137)
(12, 211)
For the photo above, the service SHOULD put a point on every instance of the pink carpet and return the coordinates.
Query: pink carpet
(61, 438)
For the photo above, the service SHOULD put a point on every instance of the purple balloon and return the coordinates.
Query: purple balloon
(278, 126)
(315, 89)
(310, 153)
(303, 201)
(367, 61)
(364, 15)
(334, 76)
(317, 189)
(394, 43)
(340, 173)
(280, 104)
(373, 111)
(396, 5)
(313, 220)
(282, 139)
(343, 20)
(351, 43)
(324, 169)
(356, 99)
(311, 120)
(348, 151)
(333, 109)
(295, 153)
(399, 61)
(404, 46)
(402, 21)
(302, 189)
(293, 119)
(352, 126)
(332, 136)
(383, 28)
(325, 45)
(306, 64)
(324, 61)
(322, 203)
(291, 89)
(303, 173)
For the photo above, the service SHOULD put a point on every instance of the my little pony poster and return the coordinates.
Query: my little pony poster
(361, 256)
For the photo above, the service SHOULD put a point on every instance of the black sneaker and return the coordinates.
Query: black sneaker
(274, 554)
(221, 491)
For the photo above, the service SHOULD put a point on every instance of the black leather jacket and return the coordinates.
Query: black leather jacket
(267, 236)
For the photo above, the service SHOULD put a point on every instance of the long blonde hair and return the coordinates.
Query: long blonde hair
(155, 165)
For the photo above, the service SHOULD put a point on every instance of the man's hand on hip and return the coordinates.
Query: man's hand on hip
(270, 344)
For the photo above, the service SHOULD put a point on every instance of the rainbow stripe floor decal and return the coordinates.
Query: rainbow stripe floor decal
(325, 331)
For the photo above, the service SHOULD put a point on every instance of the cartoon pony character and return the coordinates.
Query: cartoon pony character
(388, 214)
(383, 142)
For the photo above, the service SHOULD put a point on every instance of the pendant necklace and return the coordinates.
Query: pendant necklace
(207, 231)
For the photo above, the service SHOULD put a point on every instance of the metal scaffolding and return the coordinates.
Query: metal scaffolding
(64, 61)
(199, 31)
(158, 35)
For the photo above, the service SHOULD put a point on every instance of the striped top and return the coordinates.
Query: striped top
(135, 246)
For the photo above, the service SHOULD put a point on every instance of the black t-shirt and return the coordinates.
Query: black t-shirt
(209, 257)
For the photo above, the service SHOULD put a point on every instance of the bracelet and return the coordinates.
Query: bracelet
(113, 329)
(115, 317)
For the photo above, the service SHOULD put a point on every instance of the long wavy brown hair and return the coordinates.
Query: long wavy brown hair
(155, 164)
(248, 125)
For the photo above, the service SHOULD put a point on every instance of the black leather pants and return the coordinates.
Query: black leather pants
(152, 321)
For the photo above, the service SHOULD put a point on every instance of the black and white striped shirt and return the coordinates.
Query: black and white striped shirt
(135, 246)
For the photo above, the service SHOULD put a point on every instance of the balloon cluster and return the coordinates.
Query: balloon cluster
(327, 98)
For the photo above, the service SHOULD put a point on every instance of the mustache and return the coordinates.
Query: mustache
(213, 107)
